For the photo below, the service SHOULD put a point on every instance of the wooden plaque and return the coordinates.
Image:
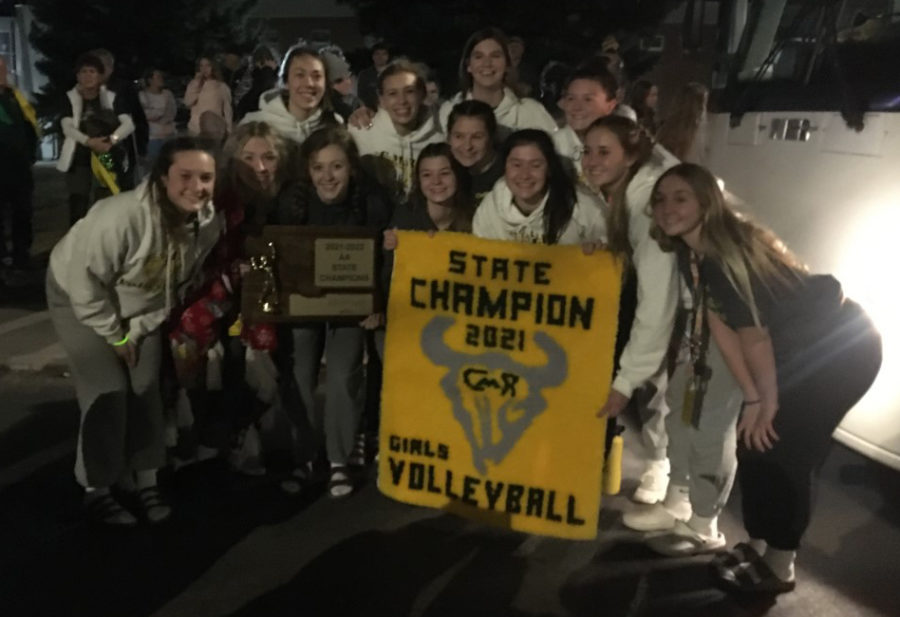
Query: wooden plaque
(317, 274)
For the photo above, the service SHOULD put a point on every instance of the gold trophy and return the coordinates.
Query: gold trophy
(268, 300)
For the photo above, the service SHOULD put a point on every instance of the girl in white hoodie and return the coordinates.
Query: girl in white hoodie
(112, 281)
(484, 75)
(535, 200)
(300, 106)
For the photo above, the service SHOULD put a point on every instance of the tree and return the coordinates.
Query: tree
(565, 30)
(167, 34)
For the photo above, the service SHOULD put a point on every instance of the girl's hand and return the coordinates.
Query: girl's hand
(373, 321)
(390, 239)
(361, 118)
(128, 353)
(614, 405)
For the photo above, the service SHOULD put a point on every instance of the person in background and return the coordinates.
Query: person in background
(159, 109)
(367, 83)
(264, 77)
(683, 132)
(399, 131)
(94, 125)
(209, 100)
(333, 190)
(644, 99)
(589, 94)
(112, 281)
(802, 353)
(18, 143)
(300, 106)
(484, 74)
(524, 77)
(433, 98)
(136, 144)
(341, 85)
(472, 135)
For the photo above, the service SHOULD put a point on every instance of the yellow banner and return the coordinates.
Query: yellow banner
(498, 355)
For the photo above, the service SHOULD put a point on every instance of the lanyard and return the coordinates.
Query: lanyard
(698, 344)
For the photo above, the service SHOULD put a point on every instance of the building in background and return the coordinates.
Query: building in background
(319, 22)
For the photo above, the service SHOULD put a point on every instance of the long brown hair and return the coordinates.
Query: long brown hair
(743, 248)
(637, 145)
(679, 129)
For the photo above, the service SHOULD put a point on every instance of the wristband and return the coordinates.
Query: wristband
(122, 342)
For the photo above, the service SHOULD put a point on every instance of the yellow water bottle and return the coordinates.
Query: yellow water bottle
(612, 473)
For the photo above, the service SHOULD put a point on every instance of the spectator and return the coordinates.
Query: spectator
(341, 85)
(209, 100)
(18, 141)
(683, 132)
(644, 99)
(135, 145)
(433, 100)
(524, 77)
(264, 78)
(159, 109)
(94, 125)
(367, 84)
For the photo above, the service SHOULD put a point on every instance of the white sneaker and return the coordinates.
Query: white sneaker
(654, 482)
(655, 517)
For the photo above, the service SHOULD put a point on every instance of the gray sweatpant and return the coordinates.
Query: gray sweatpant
(122, 428)
(653, 409)
(337, 423)
(704, 457)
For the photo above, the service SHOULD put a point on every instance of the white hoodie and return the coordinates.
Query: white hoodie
(122, 272)
(390, 156)
(498, 218)
(657, 280)
(274, 112)
(570, 149)
(512, 113)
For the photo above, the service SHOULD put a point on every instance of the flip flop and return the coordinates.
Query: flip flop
(683, 541)
(754, 578)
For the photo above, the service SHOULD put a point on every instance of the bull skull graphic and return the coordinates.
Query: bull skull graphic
(494, 373)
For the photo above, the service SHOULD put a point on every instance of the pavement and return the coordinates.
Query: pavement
(28, 340)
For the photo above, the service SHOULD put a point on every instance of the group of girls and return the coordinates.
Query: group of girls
(120, 282)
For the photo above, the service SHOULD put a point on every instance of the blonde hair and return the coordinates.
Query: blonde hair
(239, 138)
(743, 248)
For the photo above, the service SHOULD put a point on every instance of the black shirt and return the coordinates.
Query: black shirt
(798, 315)
(483, 183)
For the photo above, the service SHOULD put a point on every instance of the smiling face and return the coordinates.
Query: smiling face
(605, 162)
(487, 64)
(190, 179)
(329, 170)
(526, 175)
(259, 164)
(676, 209)
(585, 100)
(470, 142)
(306, 85)
(436, 179)
(402, 96)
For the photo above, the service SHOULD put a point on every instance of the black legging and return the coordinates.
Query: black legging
(776, 485)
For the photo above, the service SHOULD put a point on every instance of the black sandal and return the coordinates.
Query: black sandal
(741, 553)
(338, 480)
(104, 509)
(154, 506)
(754, 578)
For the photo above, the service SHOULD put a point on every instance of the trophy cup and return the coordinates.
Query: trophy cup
(268, 300)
